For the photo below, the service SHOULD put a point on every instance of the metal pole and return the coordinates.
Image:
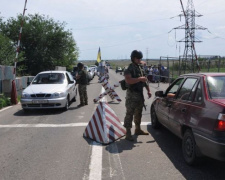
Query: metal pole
(18, 46)
(219, 64)
(14, 93)
(209, 65)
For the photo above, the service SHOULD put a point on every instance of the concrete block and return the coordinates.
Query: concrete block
(19, 83)
(24, 81)
(8, 72)
(0, 86)
(1, 72)
(6, 86)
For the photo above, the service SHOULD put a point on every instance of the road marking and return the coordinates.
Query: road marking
(116, 170)
(54, 125)
(5, 108)
(96, 162)
(42, 125)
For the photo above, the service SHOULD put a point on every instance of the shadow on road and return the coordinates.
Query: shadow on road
(171, 145)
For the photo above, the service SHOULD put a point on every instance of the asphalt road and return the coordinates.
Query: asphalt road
(49, 144)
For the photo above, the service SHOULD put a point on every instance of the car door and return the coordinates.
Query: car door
(164, 102)
(179, 111)
(71, 85)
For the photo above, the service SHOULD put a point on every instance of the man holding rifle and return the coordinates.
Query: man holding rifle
(136, 80)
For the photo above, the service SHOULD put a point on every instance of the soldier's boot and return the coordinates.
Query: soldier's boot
(81, 104)
(128, 135)
(138, 131)
(86, 103)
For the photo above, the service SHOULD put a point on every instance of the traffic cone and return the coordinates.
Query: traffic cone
(14, 93)
(104, 126)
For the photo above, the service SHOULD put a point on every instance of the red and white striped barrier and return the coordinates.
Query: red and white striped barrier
(104, 126)
(108, 90)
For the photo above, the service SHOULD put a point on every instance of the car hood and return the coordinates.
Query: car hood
(44, 88)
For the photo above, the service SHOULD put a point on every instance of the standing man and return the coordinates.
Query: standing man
(82, 81)
(136, 80)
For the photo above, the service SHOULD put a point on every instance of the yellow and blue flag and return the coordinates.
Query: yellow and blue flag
(99, 56)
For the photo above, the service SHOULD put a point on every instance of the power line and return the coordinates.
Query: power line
(109, 26)
(129, 42)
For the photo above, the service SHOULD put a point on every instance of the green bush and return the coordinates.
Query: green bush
(4, 101)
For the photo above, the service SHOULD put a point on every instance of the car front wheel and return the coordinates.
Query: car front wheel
(189, 147)
(67, 104)
(154, 119)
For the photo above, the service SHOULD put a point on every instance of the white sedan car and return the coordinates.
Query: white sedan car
(49, 89)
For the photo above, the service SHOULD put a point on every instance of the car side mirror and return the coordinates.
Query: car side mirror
(71, 82)
(28, 83)
(159, 93)
(170, 95)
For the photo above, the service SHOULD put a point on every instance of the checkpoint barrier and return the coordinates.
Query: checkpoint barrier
(104, 126)
(108, 90)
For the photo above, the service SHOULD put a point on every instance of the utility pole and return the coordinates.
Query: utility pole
(147, 56)
(190, 52)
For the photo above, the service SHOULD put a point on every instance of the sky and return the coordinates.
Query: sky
(120, 26)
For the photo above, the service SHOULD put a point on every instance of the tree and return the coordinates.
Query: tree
(44, 42)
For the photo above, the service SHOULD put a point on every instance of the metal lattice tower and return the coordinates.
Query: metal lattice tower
(189, 52)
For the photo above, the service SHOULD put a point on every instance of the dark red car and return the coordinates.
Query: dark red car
(193, 108)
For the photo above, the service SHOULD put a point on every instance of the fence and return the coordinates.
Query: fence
(175, 67)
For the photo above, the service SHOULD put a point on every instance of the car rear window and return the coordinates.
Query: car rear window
(216, 87)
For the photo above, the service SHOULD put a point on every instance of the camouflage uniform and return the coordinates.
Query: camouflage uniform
(134, 97)
(82, 86)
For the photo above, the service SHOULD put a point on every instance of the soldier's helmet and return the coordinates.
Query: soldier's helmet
(136, 53)
(80, 65)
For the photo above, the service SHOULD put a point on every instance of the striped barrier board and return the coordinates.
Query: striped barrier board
(104, 126)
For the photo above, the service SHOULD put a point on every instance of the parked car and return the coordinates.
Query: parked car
(94, 69)
(193, 108)
(119, 69)
(49, 89)
(90, 74)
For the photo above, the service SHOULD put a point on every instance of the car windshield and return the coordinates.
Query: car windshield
(216, 87)
(49, 78)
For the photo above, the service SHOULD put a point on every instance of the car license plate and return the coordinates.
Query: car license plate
(40, 101)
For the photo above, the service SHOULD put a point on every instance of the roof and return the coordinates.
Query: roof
(204, 74)
(54, 71)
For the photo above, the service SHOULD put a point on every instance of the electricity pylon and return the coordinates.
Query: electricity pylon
(190, 52)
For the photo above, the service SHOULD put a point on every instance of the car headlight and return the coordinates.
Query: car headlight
(25, 95)
(59, 94)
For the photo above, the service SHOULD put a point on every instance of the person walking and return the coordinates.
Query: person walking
(136, 80)
(82, 81)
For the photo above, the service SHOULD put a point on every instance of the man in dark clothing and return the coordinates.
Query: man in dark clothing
(82, 81)
(136, 80)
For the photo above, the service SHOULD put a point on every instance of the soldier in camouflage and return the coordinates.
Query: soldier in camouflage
(136, 80)
(82, 81)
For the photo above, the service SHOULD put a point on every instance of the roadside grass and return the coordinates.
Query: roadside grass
(4, 101)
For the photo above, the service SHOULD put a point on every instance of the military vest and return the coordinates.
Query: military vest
(136, 71)
(83, 80)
